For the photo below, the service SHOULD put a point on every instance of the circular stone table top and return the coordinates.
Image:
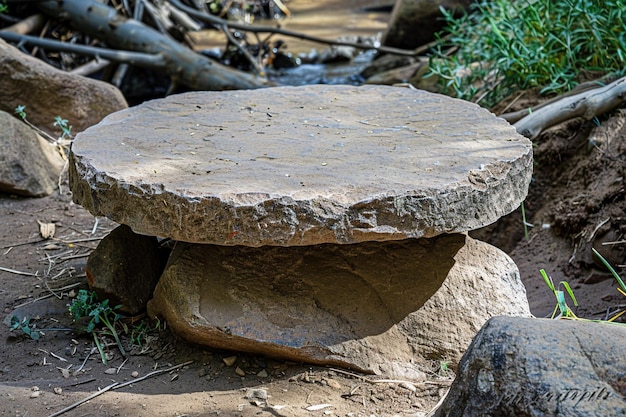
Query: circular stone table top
(301, 166)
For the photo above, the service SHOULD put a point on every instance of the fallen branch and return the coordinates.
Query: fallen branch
(28, 25)
(135, 58)
(84, 400)
(181, 64)
(153, 373)
(587, 105)
(13, 271)
(117, 385)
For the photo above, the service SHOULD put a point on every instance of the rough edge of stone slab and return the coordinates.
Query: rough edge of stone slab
(489, 192)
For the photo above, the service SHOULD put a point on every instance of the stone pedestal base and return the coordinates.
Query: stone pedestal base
(376, 307)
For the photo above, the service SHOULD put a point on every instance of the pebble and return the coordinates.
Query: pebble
(262, 374)
(134, 374)
(259, 394)
(230, 361)
(240, 371)
(332, 383)
(58, 390)
(111, 371)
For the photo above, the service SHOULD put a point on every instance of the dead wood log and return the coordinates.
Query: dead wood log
(587, 105)
(28, 25)
(183, 65)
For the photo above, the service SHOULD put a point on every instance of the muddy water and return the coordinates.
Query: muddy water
(328, 19)
(331, 19)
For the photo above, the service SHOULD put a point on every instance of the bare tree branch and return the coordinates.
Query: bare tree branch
(135, 58)
(587, 104)
(28, 25)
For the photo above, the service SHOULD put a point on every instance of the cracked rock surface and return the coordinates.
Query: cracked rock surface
(294, 166)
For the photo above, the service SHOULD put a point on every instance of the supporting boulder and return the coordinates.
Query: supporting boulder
(371, 307)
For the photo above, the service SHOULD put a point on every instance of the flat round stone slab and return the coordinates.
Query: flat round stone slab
(296, 166)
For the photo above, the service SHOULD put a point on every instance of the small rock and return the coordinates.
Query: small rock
(240, 372)
(58, 390)
(111, 371)
(230, 361)
(262, 374)
(134, 374)
(332, 383)
(259, 394)
(114, 273)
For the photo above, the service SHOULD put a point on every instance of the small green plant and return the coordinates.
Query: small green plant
(3, 6)
(25, 327)
(561, 304)
(63, 124)
(21, 111)
(503, 46)
(620, 281)
(444, 368)
(140, 334)
(87, 307)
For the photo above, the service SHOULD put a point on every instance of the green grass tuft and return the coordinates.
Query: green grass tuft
(504, 46)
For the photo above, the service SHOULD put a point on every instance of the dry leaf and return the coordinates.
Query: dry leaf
(46, 229)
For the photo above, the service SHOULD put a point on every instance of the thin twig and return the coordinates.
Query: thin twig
(43, 297)
(136, 58)
(153, 373)
(436, 407)
(373, 381)
(53, 354)
(84, 400)
(13, 271)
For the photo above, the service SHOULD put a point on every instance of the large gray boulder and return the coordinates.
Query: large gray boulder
(48, 92)
(521, 367)
(294, 166)
(29, 165)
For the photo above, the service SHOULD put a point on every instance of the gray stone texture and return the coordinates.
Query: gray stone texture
(48, 92)
(293, 166)
(29, 165)
(519, 367)
(361, 306)
(125, 268)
